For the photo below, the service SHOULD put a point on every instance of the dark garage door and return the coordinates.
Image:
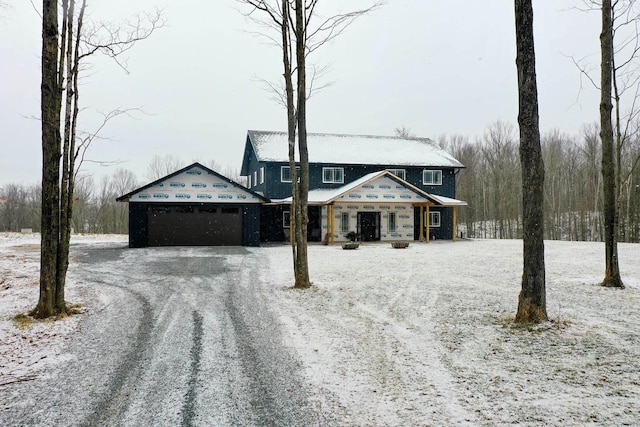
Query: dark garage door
(194, 226)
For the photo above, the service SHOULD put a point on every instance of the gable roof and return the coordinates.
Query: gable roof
(352, 149)
(126, 197)
(323, 196)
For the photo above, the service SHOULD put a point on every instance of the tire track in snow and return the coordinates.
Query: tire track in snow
(188, 410)
(122, 384)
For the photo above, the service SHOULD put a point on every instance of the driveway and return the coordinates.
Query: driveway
(172, 336)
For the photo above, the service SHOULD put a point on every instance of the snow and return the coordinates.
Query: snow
(418, 336)
(355, 149)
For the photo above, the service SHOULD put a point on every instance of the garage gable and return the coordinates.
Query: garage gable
(195, 183)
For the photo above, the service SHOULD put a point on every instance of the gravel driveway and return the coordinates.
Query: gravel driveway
(173, 336)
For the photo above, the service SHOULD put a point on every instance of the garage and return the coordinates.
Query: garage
(194, 206)
(194, 226)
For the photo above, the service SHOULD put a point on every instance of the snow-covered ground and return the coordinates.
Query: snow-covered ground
(416, 336)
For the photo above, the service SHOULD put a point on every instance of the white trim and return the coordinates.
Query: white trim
(334, 179)
(283, 168)
(399, 172)
(434, 219)
(344, 225)
(395, 222)
(249, 181)
(436, 177)
(262, 175)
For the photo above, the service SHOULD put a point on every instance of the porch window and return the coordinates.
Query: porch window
(431, 177)
(333, 175)
(286, 219)
(400, 173)
(285, 173)
(434, 219)
(344, 222)
(391, 222)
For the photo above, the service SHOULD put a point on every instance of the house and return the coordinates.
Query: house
(194, 206)
(381, 188)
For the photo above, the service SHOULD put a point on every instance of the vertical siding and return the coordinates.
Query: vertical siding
(251, 225)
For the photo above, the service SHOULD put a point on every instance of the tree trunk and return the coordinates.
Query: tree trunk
(301, 263)
(612, 271)
(532, 300)
(51, 141)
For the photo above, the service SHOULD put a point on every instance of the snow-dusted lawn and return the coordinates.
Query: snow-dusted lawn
(421, 336)
(416, 336)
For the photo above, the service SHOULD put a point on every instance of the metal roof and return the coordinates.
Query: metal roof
(354, 149)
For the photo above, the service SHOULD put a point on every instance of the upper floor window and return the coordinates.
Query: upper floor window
(262, 175)
(285, 173)
(431, 177)
(255, 177)
(249, 181)
(400, 173)
(333, 175)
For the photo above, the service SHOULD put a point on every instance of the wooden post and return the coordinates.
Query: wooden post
(330, 223)
(455, 223)
(426, 217)
(421, 231)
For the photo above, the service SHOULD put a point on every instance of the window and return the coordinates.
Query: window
(434, 219)
(262, 175)
(391, 222)
(286, 219)
(400, 173)
(431, 177)
(344, 222)
(285, 173)
(255, 177)
(249, 181)
(333, 175)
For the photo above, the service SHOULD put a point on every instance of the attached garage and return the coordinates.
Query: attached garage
(194, 206)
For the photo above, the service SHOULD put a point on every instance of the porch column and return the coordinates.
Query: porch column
(427, 220)
(421, 231)
(455, 223)
(330, 222)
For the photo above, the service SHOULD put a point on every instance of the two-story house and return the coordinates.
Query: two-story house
(381, 188)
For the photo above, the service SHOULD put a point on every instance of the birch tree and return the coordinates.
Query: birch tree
(532, 300)
(64, 49)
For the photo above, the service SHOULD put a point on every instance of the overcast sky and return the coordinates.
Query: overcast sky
(437, 67)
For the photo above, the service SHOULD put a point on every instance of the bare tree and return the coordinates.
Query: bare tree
(63, 51)
(161, 166)
(532, 305)
(612, 270)
(299, 31)
(403, 132)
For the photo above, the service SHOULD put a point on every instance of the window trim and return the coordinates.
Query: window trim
(262, 175)
(433, 223)
(249, 181)
(333, 175)
(392, 224)
(255, 178)
(344, 222)
(283, 168)
(286, 219)
(431, 172)
(395, 172)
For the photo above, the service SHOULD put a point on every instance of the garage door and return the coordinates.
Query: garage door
(194, 226)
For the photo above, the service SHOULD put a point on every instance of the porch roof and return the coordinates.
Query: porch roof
(324, 196)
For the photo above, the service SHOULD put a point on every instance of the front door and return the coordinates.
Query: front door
(369, 226)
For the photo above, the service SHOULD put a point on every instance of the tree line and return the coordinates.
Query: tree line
(491, 184)
(95, 209)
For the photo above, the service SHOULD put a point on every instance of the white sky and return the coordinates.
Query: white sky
(437, 67)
